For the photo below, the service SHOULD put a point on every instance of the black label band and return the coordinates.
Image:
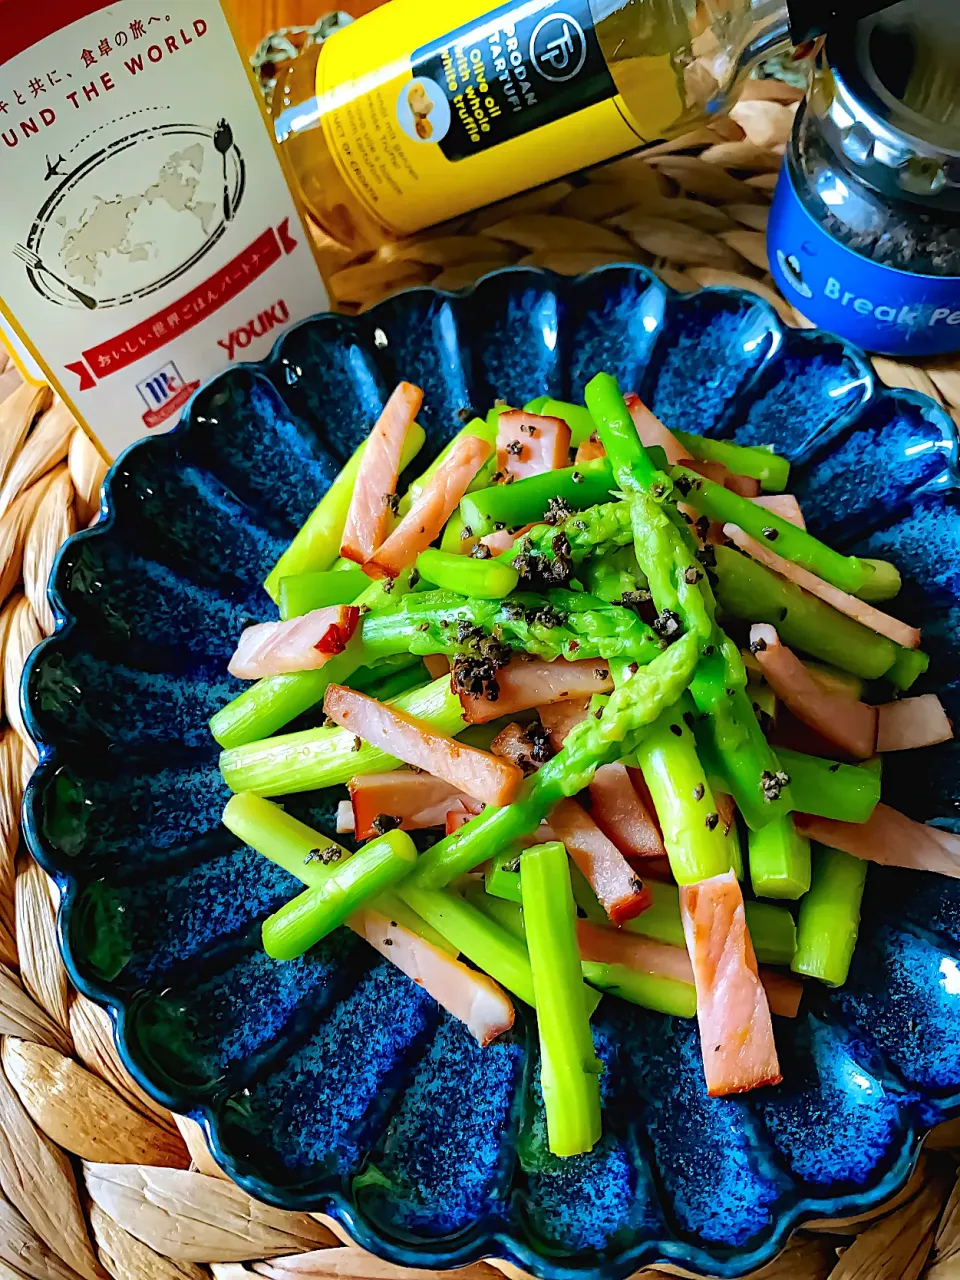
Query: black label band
(517, 68)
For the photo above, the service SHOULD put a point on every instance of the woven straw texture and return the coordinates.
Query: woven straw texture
(96, 1179)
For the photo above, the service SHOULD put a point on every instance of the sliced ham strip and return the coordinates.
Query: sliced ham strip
(783, 505)
(484, 776)
(619, 891)
(456, 818)
(911, 723)
(437, 665)
(613, 946)
(787, 731)
(851, 725)
(590, 450)
(889, 838)
(726, 808)
(621, 815)
(736, 1031)
(745, 486)
(558, 718)
(524, 685)
(504, 539)
(368, 517)
(418, 800)
(526, 745)
(472, 997)
(430, 512)
(882, 623)
(529, 444)
(714, 471)
(300, 644)
(652, 432)
(345, 819)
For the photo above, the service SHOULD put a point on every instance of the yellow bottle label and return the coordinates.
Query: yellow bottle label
(427, 123)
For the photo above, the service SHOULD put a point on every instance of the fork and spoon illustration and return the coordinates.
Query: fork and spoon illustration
(35, 263)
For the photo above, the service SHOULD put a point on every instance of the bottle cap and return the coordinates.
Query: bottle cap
(887, 94)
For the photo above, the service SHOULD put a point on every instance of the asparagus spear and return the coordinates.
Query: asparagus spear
(849, 573)
(564, 624)
(631, 463)
(908, 666)
(330, 757)
(569, 1071)
(305, 591)
(828, 789)
(591, 532)
(749, 590)
(300, 924)
(502, 878)
(528, 500)
(692, 832)
(756, 461)
(271, 703)
(480, 579)
(612, 575)
(652, 991)
(577, 418)
(309, 855)
(779, 860)
(317, 545)
(490, 947)
(631, 707)
(830, 917)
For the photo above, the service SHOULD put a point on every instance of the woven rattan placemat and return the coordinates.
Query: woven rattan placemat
(95, 1178)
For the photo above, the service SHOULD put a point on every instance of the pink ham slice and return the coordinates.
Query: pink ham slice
(736, 1031)
(619, 891)
(475, 999)
(889, 838)
(504, 539)
(368, 516)
(849, 724)
(300, 644)
(484, 776)
(558, 718)
(430, 512)
(912, 723)
(529, 444)
(524, 685)
(622, 816)
(437, 665)
(652, 432)
(417, 799)
(875, 619)
(783, 505)
(590, 450)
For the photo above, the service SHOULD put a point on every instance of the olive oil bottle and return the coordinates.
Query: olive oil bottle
(426, 109)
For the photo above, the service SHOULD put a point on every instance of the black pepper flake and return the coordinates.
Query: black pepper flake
(498, 526)
(834, 768)
(387, 586)
(657, 489)
(332, 853)
(667, 625)
(573, 646)
(712, 821)
(758, 646)
(394, 925)
(699, 791)
(497, 477)
(423, 626)
(708, 557)
(515, 448)
(513, 866)
(708, 651)
(558, 509)
(676, 731)
(576, 477)
(682, 485)
(357, 743)
(601, 672)
(773, 784)
(465, 414)
(414, 578)
(480, 552)
(691, 576)
(465, 533)
(580, 526)
(633, 668)
(684, 515)
(392, 500)
(388, 942)
(703, 528)
(770, 534)
(385, 822)
(598, 714)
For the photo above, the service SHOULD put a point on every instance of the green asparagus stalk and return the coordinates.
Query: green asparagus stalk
(848, 573)
(525, 501)
(317, 545)
(908, 666)
(779, 860)
(652, 991)
(692, 832)
(481, 579)
(502, 878)
(612, 575)
(491, 948)
(631, 708)
(306, 591)
(485, 429)
(392, 684)
(577, 418)
(508, 915)
(318, 758)
(749, 590)
(536, 405)
(632, 466)
(308, 918)
(830, 917)
(454, 540)
(564, 624)
(759, 462)
(569, 1072)
(271, 703)
(829, 789)
(364, 679)
(309, 855)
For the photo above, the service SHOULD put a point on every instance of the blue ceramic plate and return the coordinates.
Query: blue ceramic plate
(332, 1082)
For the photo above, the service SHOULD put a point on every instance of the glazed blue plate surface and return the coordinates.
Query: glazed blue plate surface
(332, 1082)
